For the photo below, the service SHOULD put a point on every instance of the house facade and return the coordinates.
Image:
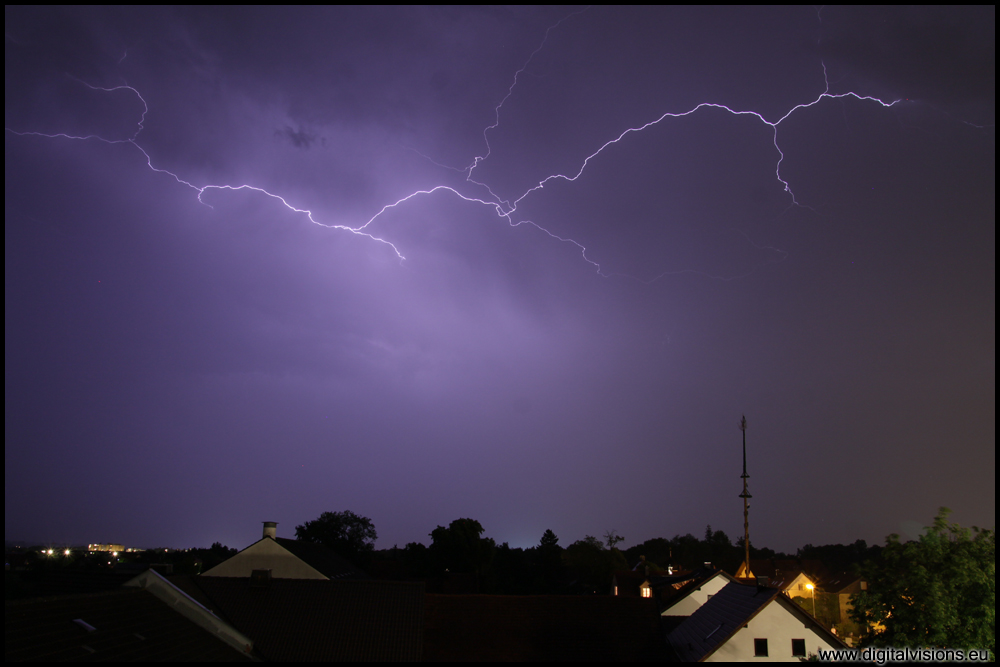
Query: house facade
(746, 622)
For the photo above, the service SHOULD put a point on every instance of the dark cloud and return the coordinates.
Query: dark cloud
(300, 138)
(180, 366)
(933, 54)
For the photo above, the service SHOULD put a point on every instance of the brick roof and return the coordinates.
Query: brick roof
(124, 625)
(542, 627)
(51, 583)
(320, 620)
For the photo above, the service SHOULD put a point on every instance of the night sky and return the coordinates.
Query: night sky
(183, 362)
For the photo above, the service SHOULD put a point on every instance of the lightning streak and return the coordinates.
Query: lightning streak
(710, 105)
(503, 208)
(201, 190)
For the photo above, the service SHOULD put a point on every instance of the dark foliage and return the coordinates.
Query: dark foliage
(459, 548)
(345, 533)
(937, 591)
(840, 557)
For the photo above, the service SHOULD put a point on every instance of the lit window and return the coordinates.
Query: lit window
(798, 648)
(647, 592)
(760, 648)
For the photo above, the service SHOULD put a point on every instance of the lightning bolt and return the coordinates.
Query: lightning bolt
(826, 94)
(202, 189)
(504, 208)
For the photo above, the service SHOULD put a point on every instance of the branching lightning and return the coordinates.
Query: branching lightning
(504, 208)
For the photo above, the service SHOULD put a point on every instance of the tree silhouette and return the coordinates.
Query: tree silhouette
(345, 533)
(460, 547)
(612, 538)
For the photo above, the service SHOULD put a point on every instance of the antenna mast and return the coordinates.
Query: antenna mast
(745, 570)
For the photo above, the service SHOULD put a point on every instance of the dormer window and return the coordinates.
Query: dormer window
(646, 590)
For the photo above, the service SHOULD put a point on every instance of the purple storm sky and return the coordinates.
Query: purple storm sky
(180, 368)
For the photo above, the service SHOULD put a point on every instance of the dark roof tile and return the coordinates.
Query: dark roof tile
(542, 627)
(725, 613)
(712, 624)
(124, 625)
(319, 620)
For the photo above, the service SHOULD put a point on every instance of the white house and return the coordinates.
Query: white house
(744, 622)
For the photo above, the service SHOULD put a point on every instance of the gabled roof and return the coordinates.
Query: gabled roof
(841, 582)
(681, 585)
(193, 610)
(628, 583)
(696, 580)
(123, 625)
(716, 621)
(321, 620)
(785, 580)
(542, 628)
(782, 572)
(287, 559)
(668, 587)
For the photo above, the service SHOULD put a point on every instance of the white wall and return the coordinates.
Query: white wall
(779, 626)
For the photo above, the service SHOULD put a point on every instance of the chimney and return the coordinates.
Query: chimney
(271, 529)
